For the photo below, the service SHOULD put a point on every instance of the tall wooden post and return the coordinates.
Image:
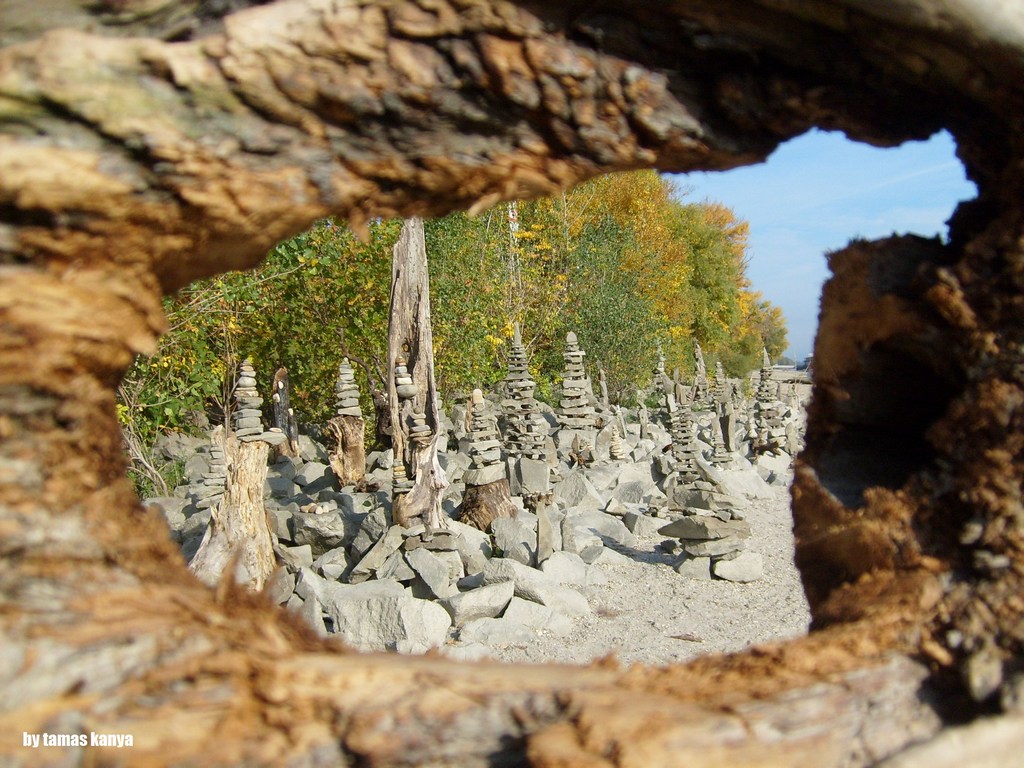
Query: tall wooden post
(413, 406)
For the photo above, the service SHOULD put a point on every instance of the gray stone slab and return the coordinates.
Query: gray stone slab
(496, 632)
(693, 567)
(705, 527)
(486, 602)
(309, 472)
(515, 539)
(566, 568)
(432, 570)
(608, 527)
(538, 617)
(379, 552)
(324, 531)
(575, 491)
(748, 566)
(294, 558)
(714, 547)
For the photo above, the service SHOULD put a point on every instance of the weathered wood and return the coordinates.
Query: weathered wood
(237, 540)
(348, 456)
(284, 416)
(411, 341)
(483, 504)
(130, 166)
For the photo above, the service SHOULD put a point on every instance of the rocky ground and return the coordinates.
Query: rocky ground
(648, 613)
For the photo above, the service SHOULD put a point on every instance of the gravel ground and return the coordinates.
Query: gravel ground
(648, 613)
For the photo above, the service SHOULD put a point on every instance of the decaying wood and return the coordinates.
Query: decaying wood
(237, 540)
(348, 456)
(483, 504)
(410, 340)
(131, 165)
(284, 416)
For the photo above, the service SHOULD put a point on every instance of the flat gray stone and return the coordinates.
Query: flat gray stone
(379, 552)
(706, 527)
(280, 586)
(714, 547)
(309, 472)
(515, 539)
(563, 599)
(370, 530)
(748, 566)
(566, 568)
(395, 567)
(527, 581)
(495, 632)
(324, 531)
(538, 617)
(693, 567)
(575, 491)
(432, 570)
(608, 527)
(294, 558)
(642, 526)
(485, 602)
(534, 476)
(549, 533)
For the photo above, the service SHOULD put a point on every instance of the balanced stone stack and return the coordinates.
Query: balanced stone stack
(722, 419)
(771, 432)
(712, 546)
(406, 390)
(527, 431)
(247, 419)
(485, 464)
(616, 447)
(700, 375)
(346, 391)
(575, 410)
(684, 445)
(211, 491)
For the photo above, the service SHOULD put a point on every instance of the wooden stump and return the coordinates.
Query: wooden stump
(348, 458)
(238, 537)
(483, 504)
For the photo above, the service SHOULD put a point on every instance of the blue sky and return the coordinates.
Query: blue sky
(816, 192)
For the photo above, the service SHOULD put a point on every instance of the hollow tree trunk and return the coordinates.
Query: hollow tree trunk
(483, 504)
(410, 339)
(130, 166)
(284, 416)
(237, 540)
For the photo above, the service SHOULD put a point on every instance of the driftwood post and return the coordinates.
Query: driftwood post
(238, 536)
(348, 457)
(284, 416)
(419, 478)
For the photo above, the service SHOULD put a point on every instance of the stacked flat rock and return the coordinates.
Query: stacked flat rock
(403, 381)
(575, 411)
(485, 464)
(211, 490)
(346, 391)
(247, 419)
(767, 416)
(720, 392)
(710, 545)
(527, 430)
(616, 447)
(700, 375)
(419, 431)
(684, 445)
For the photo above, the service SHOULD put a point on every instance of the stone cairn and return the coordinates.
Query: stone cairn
(767, 418)
(700, 376)
(527, 430)
(215, 478)
(247, 419)
(575, 411)
(684, 445)
(722, 402)
(406, 391)
(616, 446)
(346, 391)
(485, 465)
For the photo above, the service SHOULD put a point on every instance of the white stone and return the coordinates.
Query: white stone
(748, 566)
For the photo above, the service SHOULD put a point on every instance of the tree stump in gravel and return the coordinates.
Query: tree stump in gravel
(238, 536)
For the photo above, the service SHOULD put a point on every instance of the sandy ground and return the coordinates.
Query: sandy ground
(648, 613)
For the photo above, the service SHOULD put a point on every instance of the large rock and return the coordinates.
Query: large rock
(495, 632)
(608, 527)
(370, 530)
(472, 544)
(323, 532)
(642, 526)
(748, 566)
(714, 547)
(482, 603)
(309, 472)
(569, 568)
(377, 615)
(379, 552)
(537, 616)
(575, 491)
(515, 539)
(705, 527)
(693, 567)
(432, 570)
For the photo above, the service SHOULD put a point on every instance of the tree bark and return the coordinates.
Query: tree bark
(483, 504)
(410, 339)
(348, 458)
(130, 165)
(284, 416)
(237, 541)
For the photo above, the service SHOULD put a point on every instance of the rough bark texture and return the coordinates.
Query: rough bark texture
(130, 165)
(237, 542)
(410, 339)
(348, 457)
(483, 504)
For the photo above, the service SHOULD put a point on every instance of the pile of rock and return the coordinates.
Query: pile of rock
(484, 447)
(710, 546)
(526, 431)
(211, 489)
(770, 432)
(684, 445)
(575, 411)
(346, 391)
(247, 418)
